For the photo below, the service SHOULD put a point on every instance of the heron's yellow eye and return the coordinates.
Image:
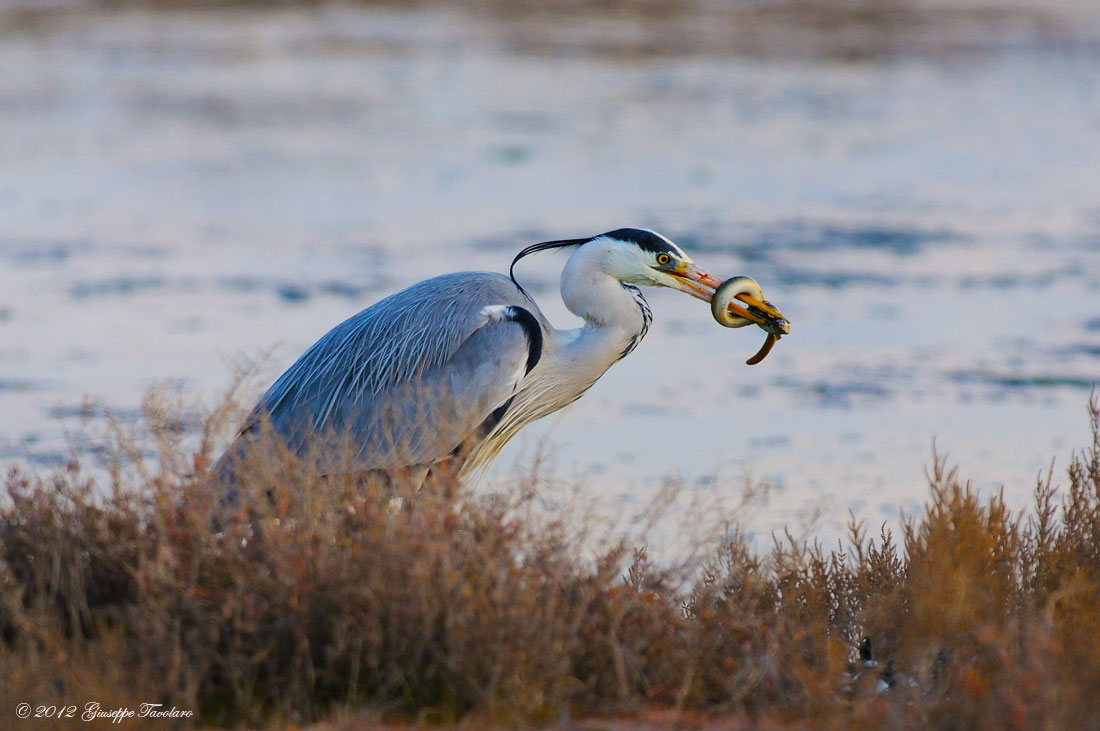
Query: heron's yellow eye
(663, 259)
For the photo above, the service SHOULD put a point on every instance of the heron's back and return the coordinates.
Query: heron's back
(406, 379)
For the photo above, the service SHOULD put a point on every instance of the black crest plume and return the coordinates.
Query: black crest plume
(535, 248)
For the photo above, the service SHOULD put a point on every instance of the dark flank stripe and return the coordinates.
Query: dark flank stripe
(533, 331)
(495, 418)
(483, 431)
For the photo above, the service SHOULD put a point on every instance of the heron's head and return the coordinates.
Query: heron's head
(642, 257)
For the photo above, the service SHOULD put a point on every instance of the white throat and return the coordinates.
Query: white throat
(590, 292)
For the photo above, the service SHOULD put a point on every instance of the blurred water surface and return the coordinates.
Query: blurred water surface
(916, 185)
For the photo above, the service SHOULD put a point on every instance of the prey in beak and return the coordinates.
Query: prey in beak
(736, 302)
(748, 291)
(755, 310)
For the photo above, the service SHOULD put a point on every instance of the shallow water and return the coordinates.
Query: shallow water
(923, 202)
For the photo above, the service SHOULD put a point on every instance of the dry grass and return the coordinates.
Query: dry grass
(310, 600)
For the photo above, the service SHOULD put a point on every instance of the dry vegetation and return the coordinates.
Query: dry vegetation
(310, 600)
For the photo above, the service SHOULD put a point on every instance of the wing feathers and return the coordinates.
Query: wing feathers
(412, 376)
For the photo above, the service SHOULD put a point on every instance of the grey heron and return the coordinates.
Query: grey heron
(438, 377)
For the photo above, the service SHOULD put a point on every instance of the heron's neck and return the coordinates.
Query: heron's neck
(615, 315)
(601, 300)
(615, 320)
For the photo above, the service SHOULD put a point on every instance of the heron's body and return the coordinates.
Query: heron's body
(444, 373)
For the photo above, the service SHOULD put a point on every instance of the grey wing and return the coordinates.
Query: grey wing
(426, 419)
(407, 380)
